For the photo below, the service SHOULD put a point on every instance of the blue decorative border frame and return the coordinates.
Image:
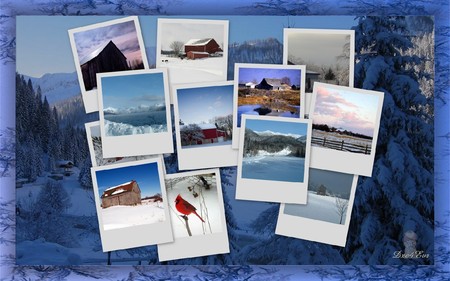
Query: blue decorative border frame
(439, 9)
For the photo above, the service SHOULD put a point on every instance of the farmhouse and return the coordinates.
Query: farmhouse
(269, 84)
(127, 193)
(211, 134)
(250, 85)
(106, 58)
(206, 45)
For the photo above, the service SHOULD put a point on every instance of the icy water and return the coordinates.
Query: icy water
(139, 119)
(275, 168)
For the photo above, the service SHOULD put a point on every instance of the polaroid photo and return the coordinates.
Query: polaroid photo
(330, 202)
(267, 89)
(197, 215)
(110, 46)
(131, 201)
(94, 139)
(134, 113)
(204, 125)
(274, 157)
(345, 128)
(329, 56)
(192, 50)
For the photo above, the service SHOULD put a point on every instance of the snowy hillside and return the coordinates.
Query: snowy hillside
(319, 207)
(188, 71)
(56, 86)
(125, 216)
(100, 161)
(121, 129)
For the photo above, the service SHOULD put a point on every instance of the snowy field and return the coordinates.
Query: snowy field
(198, 70)
(122, 129)
(125, 216)
(274, 168)
(100, 161)
(319, 207)
(337, 137)
(207, 204)
(227, 142)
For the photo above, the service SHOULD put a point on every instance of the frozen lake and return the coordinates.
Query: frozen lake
(275, 168)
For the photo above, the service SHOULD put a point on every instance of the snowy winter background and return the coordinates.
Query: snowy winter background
(307, 252)
(207, 204)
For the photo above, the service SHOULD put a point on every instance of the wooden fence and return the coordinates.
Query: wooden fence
(341, 145)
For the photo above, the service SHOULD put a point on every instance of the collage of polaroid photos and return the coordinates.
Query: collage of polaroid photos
(298, 132)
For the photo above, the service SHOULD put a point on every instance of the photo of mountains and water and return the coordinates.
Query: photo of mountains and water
(274, 150)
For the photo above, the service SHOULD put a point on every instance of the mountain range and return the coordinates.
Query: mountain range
(255, 143)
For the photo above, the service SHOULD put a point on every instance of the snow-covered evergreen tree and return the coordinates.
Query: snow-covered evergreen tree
(399, 196)
(85, 177)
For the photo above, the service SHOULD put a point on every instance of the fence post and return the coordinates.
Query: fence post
(365, 152)
(342, 145)
(324, 141)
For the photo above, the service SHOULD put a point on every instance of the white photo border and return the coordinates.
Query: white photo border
(162, 21)
(238, 66)
(351, 33)
(268, 190)
(90, 100)
(135, 145)
(341, 161)
(143, 235)
(316, 230)
(200, 245)
(201, 157)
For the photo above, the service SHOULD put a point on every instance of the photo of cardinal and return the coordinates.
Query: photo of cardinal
(195, 205)
(185, 207)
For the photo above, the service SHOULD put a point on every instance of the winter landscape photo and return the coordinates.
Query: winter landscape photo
(267, 90)
(194, 204)
(328, 197)
(134, 104)
(344, 119)
(205, 116)
(107, 48)
(193, 50)
(130, 196)
(274, 150)
(95, 148)
(327, 54)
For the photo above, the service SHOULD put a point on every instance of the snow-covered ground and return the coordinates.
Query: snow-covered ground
(122, 129)
(125, 216)
(198, 70)
(337, 137)
(319, 207)
(274, 168)
(284, 152)
(227, 142)
(207, 204)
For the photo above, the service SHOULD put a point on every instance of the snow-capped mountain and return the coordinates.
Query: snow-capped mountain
(270, 133)
(56, 86)
(138, 109)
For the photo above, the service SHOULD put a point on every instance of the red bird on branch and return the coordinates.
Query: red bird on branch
(185, 207)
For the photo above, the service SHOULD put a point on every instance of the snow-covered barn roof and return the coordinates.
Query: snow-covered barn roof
(118, 189)
(95, 53)
(198, 42)
(64, 163)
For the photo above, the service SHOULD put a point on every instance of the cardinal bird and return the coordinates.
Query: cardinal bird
(185, 207)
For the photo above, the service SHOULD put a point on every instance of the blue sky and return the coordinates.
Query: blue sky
(250, 74)
(43, 42)
(146, 175)
(282, 127)
(133, 90)
(197, 105)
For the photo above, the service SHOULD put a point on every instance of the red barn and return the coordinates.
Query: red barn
(211, 133)
(196, 55)
(206, 45)
(127, 193)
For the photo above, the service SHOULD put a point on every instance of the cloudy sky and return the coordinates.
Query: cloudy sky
(124, 35)
(319, 49)
(183, 31)
(197, 105)
(351, 111)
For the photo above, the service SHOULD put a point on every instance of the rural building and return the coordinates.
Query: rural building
(211, 134)
(127, 193)
(207, 45)
(311, 77)
(64, 167)
(196, 55)
(250, 85)
(269, 84)
(106, 58)
(322, 190)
